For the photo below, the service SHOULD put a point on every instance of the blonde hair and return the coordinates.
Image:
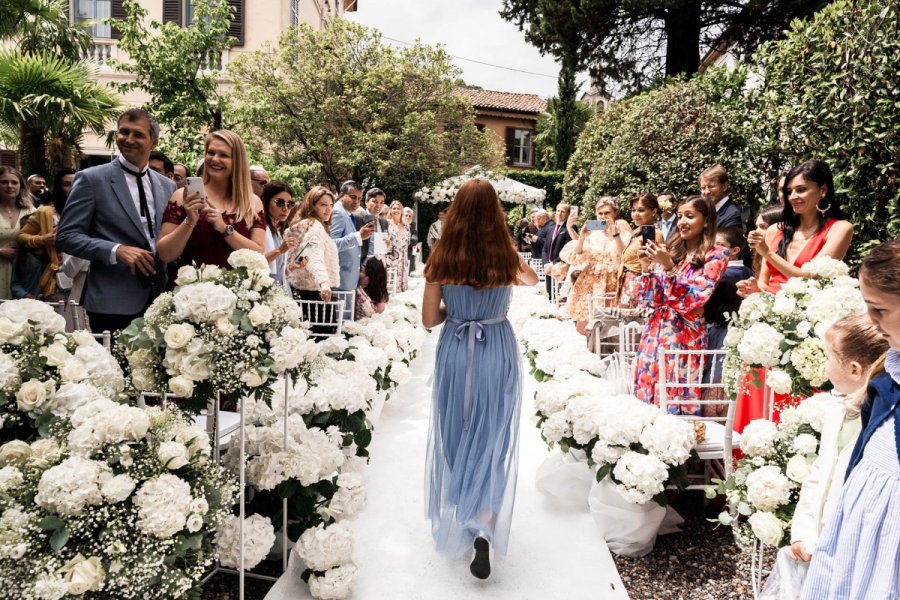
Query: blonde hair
(240, 187)
(390, 214)
(610, 202)
(855, 338)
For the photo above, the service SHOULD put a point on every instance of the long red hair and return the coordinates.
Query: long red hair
(475, 247)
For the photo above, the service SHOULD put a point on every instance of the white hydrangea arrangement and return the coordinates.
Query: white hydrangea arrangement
(317, 468)
(230, 331)
(640, 448)
(765, 486)
(784, 332)
(118, 501)
(44, 371)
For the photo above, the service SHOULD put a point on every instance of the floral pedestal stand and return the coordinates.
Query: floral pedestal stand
(758, 574)
(213, 423)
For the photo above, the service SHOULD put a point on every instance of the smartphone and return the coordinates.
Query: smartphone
(195, 184)
(648, 234)
(573, 211)
(595, 225)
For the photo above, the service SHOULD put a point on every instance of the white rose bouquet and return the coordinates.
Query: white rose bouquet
(119, 502)
(230, 331)
(45, 372)
(765, 486)
(784, 332)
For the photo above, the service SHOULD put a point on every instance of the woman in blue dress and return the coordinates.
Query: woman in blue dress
(858, 555)
(473, 441)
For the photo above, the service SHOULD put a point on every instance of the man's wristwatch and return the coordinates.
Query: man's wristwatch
(617, 234)
(229, 230)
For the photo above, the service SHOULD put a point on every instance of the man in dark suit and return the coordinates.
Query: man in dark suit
(557, 238)
(374, 206)
(714, 187)
(112, 218)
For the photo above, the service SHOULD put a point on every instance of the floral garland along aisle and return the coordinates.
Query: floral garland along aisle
(129, 464)
(582, 406)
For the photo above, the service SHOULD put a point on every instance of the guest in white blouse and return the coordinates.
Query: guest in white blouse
(312, 266)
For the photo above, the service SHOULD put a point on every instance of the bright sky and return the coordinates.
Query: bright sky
(469, 29)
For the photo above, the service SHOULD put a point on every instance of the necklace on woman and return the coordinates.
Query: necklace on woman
(10, 213)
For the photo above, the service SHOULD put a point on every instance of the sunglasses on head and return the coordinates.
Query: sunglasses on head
(283, 203)
(263, 182)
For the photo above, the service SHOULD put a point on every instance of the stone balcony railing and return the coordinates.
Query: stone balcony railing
(102, 51)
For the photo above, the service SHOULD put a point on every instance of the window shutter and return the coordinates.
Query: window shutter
(172, 12)
(510, 145)
(117, 12)
(236, 29)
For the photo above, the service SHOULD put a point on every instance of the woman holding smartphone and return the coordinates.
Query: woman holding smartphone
(644, 213)
(205, 228)
(598, 251)
(675, 283)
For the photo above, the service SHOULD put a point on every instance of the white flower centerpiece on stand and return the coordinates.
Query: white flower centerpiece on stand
(45, 373)
(229, 332)
(764, 488)
(784, 332)
(119, 502)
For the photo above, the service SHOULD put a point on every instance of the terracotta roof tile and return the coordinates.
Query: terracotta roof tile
(488, 99)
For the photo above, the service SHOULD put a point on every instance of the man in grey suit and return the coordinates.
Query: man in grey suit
(346, 236)
(112, 218)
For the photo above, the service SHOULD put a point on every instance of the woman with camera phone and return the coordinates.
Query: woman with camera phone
(598, 251)
(644, 213)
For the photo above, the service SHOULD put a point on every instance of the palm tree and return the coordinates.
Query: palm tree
(43, 25)
(46, 98)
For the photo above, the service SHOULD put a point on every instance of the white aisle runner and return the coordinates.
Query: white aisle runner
(553, 554)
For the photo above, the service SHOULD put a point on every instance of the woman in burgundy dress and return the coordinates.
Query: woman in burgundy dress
(812, 224)
(206, 230)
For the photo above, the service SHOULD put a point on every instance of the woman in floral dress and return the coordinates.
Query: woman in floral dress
(676, 282)
(598, 253)
(398, 257)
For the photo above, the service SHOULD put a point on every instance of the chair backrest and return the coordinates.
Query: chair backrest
(105, 338)
(349, 299)
(525, 255)
(602, 305)
(538, 265)
(325, 318)
(555, 292)
(614, 337)
(391, 280)
(699, 371)
(75, 316)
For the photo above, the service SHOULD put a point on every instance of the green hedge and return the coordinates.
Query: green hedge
(662, 140)
(831, 91)
(549, 181)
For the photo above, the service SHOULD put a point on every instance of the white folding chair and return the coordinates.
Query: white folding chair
(538, 266)
(105, 338)
(556, 292)
(525, 255)
(325, 318)
(684, 369)
(391, 280)
(349, 299)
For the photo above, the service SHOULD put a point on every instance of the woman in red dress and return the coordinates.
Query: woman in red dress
(205, 230)
(812, 224)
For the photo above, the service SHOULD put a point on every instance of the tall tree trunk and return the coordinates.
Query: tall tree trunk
(682, 23)
(33, 150)
(565, 113)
